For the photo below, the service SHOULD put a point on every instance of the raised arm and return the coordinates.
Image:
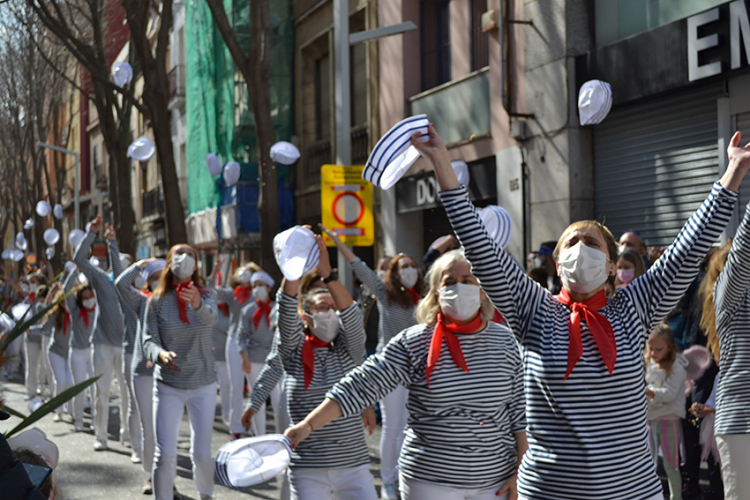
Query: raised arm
(95, 275)
(113, 251)
(290, 324)
(70, 300)
(124, 282)
(732, 284)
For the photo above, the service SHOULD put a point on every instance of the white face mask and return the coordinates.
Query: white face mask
(124, 262)
(183, 265)
(460, 301)
(325, 325)
(153, 285)
(261, 293)
(33, 287)
(583, 269)
(89, 303)
(409, 277)
(244, 277)
(140, 282)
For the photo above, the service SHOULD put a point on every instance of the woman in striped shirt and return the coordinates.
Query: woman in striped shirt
(729, 340)
(33, 348)
(317, 348)
(179, 324)
(82, 309)
(586, 415)
(56, 325)
(397, 294)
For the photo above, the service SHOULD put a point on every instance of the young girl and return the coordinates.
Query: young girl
(665, 389)
(629, 267)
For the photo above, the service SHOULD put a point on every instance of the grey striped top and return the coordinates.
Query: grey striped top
(340, 444)
(81, 335)
(219, 336)
(732, 303)
(394, 318)
(226, 295)
(60, 339)
(131, 318)
(135, 301)
(256, 342)
(110, 323)
(269, 376)
(164, 330)
(34, 332)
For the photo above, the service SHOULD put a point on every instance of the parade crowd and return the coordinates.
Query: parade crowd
(569, 377)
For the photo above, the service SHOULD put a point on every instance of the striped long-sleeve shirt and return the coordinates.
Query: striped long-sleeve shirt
(135, 301)
(256, 342)
(587, 434)
(109, 321)
(164, 330)
(393, 317)
(226, 295)
(732, 303)
(60, 339)
(341, 443)
(129, 314)
(269, 376)
(81, 335)
(460, 418)
(219, 337)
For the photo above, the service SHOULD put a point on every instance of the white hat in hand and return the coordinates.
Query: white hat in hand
(251, 461)
(296, 252)
(394, 154)
(462, 171)
(36, 441)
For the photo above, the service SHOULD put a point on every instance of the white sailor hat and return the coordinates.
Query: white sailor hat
(43, 208)
(122, 73)
(213, 164)
(58, 211)
(594, 102)
(296, 252)
(75, 237)
(153, 267)
(264, 277)
(50, 252)
(28, 224)
(251, 461)
(36, 441)
(285, 153)
(51, 236)
(498, 224)
(21, 242)
(394, 154)
(17, 255)
(232, 172)
(142, 149)
(462, 171)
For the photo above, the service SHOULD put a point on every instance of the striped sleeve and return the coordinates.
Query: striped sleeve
(93, 274)
(369, 279)
(517, 406)
(225, 295)
(353, 334)
(152, 342)
(208, 311)
(734, 281)
(269, 377)
(70, 300)
(511, 291)
(114, 257)
(245, 329)
(124, 282)
(290, 325)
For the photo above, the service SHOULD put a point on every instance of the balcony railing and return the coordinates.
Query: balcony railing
(153, 203)
(177, 82)
(316, 155)
(460, 109)
(360, 150)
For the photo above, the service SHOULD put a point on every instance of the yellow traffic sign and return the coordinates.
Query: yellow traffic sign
(346, 200)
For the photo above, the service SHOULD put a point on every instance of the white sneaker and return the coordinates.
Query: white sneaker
(57, 418)
(79, 427)
(205, 497)
(388, 492)
(100, 445)
(135, 457)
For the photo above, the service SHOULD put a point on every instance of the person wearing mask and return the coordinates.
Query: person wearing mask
(56, 325)
(33, 349)
(547, 262)
(145, 273)
(177, 338)
(629, 267)
(109, 332)
(221, 328)
(583, 353)
(82, 309)
(465, 384)
(256, 330)
(398, 294)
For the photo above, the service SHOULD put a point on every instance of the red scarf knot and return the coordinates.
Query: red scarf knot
(415, 297)
(32, 297)
(223, 308)
(145, 292)
(66, 322)
(182, 304)
(84, 313)
(447, 332)
(242, 293)
(600, 328)
(308, 356)
(264, 309)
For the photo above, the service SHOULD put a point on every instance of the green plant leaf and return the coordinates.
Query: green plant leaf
(13, 412)
(22, 326)
(51, 405)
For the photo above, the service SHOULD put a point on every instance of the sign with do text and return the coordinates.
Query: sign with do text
(346, 200)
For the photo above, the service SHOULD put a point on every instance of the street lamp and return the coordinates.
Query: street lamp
(76, 189)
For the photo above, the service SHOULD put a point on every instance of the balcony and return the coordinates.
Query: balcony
(459, 109)
(153, 203)
(360, 151)
(177, 86)
(316, 155)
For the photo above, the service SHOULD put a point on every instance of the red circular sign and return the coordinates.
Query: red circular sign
(348, 198)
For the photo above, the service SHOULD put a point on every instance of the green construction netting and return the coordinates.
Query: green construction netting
(219, 117)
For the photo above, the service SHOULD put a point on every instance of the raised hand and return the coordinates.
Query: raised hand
(739, 163)
(432, 149)
(96, 224)
(109, 232)
(191, 295)
(324, 265)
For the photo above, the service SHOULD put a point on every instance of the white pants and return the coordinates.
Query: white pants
(46, 341)
(413, 489)
(81, 369)
(143, 389)
(393, 410)
(169, 405)
(33, 362)
(259, 420)
(61, 375)
(107, 361)
(236, 386)
(353, 483)
(133, 420)
(734, 450)
(224, 388)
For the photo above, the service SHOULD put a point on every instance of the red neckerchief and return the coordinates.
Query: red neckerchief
(242, 293)
(66, 322)
(448, 331)
(182, 304)
(223, 308)
(415, 297)
(145, 292)
(600, 328)
(308, 356)
(31, 297)
(84, 313)
(498, 318)
(264, 309)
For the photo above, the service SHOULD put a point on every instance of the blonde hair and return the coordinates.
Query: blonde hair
(664, 331)
(586, 224)
(251, 266)
(706, 294)
(429, 306)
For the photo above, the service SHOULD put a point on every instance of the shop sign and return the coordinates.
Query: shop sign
(709, 54)
(346, 203)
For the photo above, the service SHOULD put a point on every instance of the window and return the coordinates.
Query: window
(323, 97)
(436, 43)
(480, 54)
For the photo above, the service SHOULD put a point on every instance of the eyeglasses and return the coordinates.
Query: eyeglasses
(319, 308)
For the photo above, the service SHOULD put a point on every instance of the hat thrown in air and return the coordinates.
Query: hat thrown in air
(296, 252)
(285, 153)
(394, 154)
(594, 102)
(246, 462)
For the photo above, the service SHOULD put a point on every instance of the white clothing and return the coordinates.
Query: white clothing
(169, 405)
(33, 361)
(143, 389)
(413, 489)
(62, 377)
(81, 369)
(46, 367)
(224, 388)
(669, 390)
(133, 418)
(236, 386)
(107, 361)
(393, 409)
(734, 450)
(352, 483)
(259, 420)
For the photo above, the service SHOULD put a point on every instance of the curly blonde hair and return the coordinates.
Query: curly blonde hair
(429, 306)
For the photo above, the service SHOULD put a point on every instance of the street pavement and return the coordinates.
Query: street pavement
(85, 474)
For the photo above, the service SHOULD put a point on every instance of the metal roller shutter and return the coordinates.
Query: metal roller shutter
(654, 163)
